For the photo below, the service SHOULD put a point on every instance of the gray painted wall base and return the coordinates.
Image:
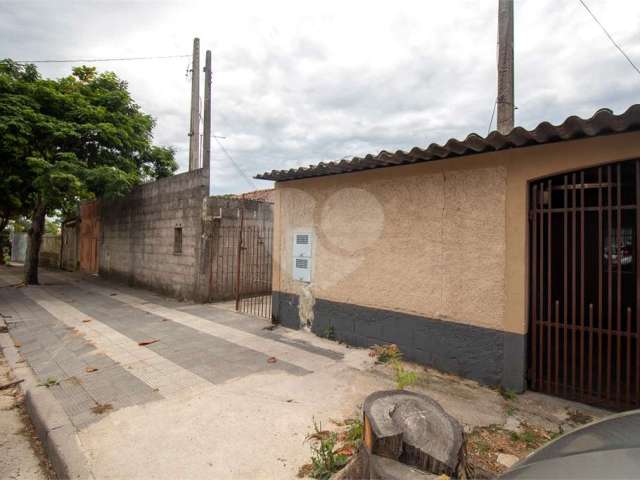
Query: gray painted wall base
(488, 356)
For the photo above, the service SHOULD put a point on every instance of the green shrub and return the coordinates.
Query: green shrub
(329, 333)
(404, 378)
(386, 353)
(325, 461)
(354, 432)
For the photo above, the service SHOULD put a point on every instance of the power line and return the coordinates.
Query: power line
(92, 60)
(615, 44)
(237, 167)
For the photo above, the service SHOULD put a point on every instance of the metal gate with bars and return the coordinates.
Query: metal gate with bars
(241, 268)
(584, 289)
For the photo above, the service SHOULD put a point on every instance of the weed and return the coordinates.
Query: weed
(404, 378)
(507, 394)
(386, 353)
(329, 333)
(527, 437)
(482, 446)
(510, 410)
(354, 432)
(325, 461)
(49, 382)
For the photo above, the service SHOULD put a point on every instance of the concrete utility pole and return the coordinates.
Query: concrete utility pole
(206, 141)
(505, 98)
(194, 131)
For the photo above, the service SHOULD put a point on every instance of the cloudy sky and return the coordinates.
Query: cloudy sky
(301, 82)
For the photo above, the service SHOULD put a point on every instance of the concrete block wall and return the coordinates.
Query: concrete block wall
(137, 235)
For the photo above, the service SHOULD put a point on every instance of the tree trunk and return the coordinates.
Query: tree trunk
(4, 221)
(33, 246)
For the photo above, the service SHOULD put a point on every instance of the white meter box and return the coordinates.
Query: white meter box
(302, 255)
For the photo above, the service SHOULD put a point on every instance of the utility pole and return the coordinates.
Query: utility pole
(505, 99)
(194, 131)
(206, 141)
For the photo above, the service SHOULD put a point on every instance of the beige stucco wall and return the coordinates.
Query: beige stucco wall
(444, 239)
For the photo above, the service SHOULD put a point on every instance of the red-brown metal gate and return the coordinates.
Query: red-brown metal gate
(89, 235)
(584, 288)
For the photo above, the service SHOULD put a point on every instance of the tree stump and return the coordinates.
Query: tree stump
(414, 430)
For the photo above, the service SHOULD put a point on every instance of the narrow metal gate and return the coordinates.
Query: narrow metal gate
(584, 288)
(253, 291)
(241, 267)
(89, 235)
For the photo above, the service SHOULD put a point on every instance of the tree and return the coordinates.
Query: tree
(78, 137)
(16, 194)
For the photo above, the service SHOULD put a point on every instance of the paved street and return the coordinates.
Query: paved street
(203, 398)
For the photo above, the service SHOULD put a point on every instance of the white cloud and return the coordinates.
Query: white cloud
(300, 82)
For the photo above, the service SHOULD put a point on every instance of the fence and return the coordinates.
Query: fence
(18, 246)
(50, 250)
(241, 256)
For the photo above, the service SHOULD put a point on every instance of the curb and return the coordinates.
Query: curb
(55, 430)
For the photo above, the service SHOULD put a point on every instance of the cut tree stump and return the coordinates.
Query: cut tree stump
(415, 430)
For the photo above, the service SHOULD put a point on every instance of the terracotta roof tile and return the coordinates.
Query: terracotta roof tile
(603, 122)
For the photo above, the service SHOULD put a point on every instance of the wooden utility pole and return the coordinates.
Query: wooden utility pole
(505, 99)
(194, 131)
(206, 141)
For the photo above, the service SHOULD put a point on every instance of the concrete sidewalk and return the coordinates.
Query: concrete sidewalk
(204, 400)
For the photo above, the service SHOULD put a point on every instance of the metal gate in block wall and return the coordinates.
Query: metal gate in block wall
(89, 237)
(584, 292)
(241, 269)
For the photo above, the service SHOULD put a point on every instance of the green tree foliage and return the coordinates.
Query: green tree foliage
(52, 226)
(64, 140)
(15, 180)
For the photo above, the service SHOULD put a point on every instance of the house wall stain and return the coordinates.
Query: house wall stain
(306, 302)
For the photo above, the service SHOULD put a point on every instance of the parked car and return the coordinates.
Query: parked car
(608, 448)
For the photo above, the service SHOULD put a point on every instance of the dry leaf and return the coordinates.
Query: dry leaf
(144, 343)
(86, 320)
(271, 360)
(102, 408)
(90, 369)
(346, 450)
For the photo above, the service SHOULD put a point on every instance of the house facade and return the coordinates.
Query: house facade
(500, 259)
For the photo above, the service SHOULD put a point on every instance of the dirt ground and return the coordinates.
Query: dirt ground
(21, 454)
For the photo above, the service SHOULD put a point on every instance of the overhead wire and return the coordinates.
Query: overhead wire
(606, 32)
(93, 60)
(233, 162)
